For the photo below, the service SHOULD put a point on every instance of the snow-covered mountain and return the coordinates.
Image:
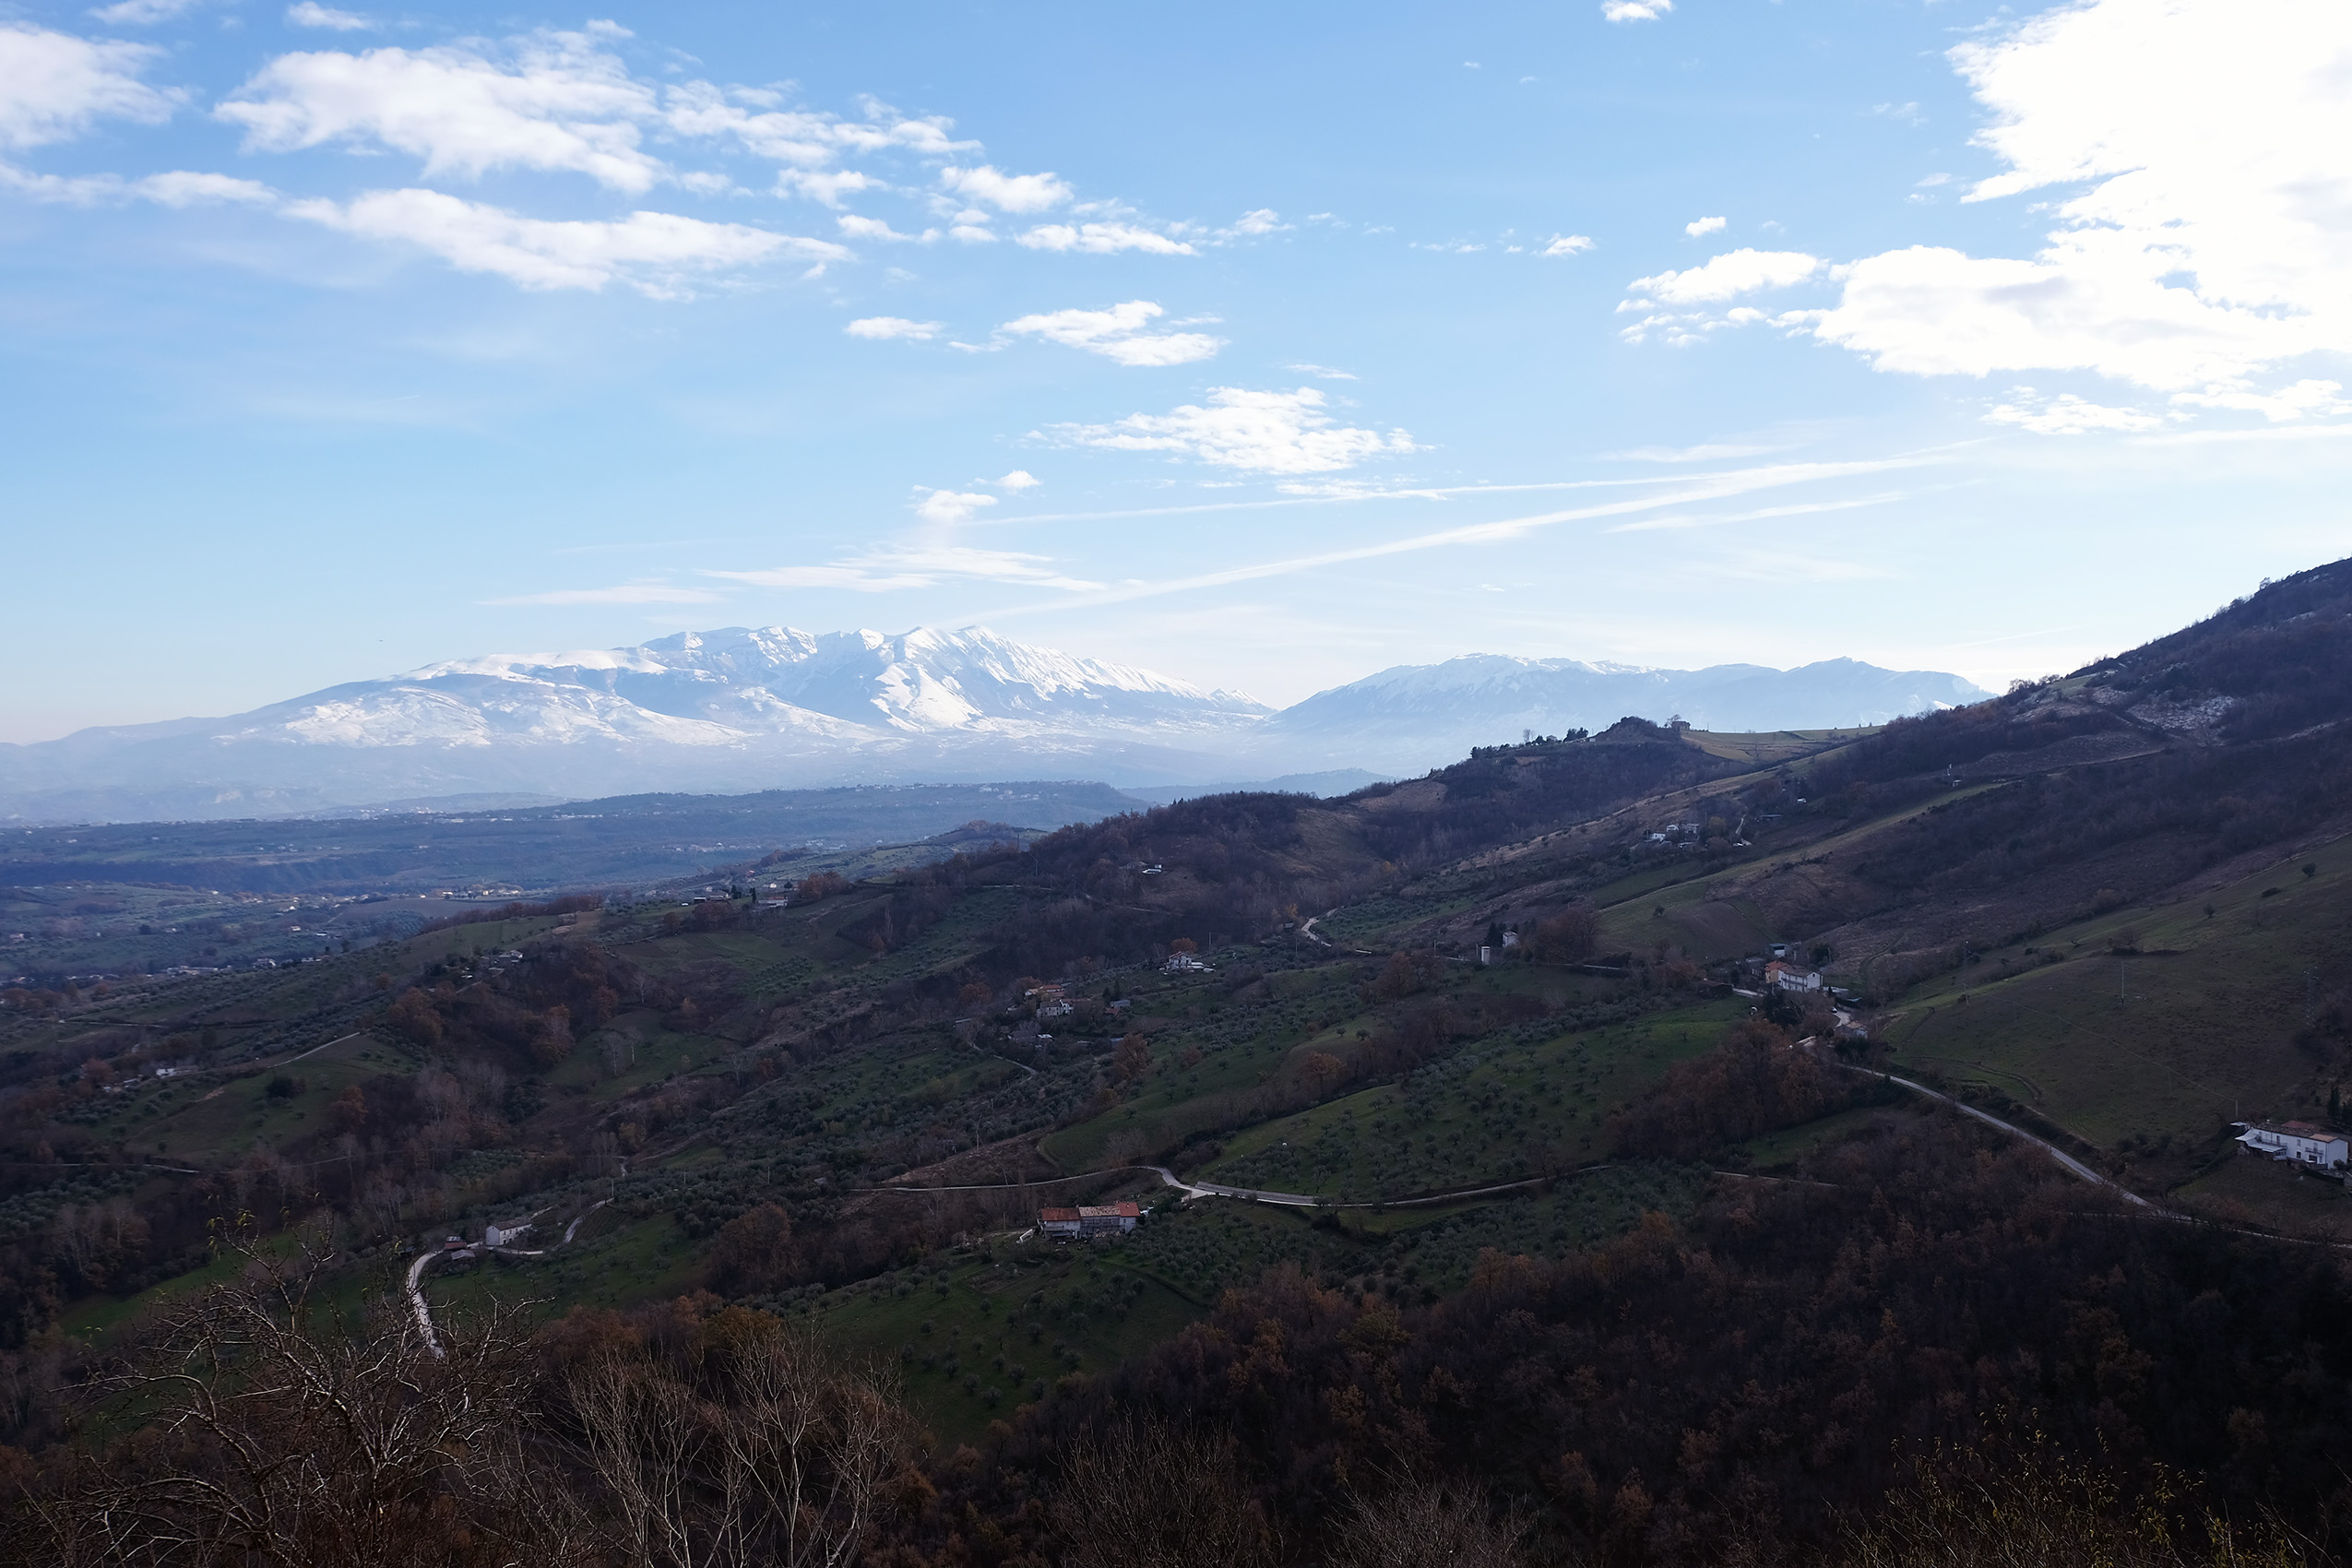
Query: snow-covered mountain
(1417, 716)
(735, 710)
(742, 709)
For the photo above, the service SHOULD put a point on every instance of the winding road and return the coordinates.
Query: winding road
(1256, 1194)
(425, 1260)
(2072, 1165)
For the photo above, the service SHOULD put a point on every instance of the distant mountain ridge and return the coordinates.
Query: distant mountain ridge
(742, 709)
(1419, 716)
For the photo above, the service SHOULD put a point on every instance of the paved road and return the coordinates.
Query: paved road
(425, 1260)
(1256, 1194)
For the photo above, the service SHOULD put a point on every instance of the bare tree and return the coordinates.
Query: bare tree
(266, 1432)
(1145, 1497)
(768, 1451)
(1425, 1523)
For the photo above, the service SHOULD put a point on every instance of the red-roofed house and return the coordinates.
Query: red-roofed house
(1081, 1224)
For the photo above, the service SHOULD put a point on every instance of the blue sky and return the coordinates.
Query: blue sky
(1263, 346)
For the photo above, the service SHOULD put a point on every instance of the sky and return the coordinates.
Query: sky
(1266, 347)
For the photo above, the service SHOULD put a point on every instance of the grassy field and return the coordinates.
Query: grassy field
(2165, 1045)
(2242, 1190)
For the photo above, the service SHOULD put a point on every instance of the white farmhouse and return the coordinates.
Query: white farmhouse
(2297, 1141)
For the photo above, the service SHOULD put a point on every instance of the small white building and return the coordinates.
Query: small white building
(1184, 964)
(506, 1235)
(2299, 1142)
(1788, 976)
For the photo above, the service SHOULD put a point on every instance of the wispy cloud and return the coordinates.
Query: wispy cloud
(1685, 491)
(895, 568)
(1101, 238)
(659, 254)
(1761, 514)
(1276, 433)
(55, 86)
(310, 13)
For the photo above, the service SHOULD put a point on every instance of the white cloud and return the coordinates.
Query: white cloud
(143, 12)
(1566, 245)
(1016, 481)
(822, 184)
(916, 565)
(859, 228)
(2214, 238)
(2065, 414)
(1698, 228)
(310, 13)
(179, 187)
(2302, 400)
(949, 508)
(626, 593)
(561, 103)
(657, 254)
(1263, 220)
(1100, 238)
(1728, 275)
(1117, 334)
(1323, 370)
(1281, 433)
(803, 138)
(1634, 10)
(1007, 193)
(972, 234)
(53, 85)
(886, 326)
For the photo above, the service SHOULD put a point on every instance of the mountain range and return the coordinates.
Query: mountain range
(741, 709)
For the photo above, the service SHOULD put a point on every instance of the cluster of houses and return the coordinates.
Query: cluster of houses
(1053, 1001)
(1085, 1224)
(1184, 964)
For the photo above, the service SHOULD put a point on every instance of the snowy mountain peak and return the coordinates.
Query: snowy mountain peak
(742, 707)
